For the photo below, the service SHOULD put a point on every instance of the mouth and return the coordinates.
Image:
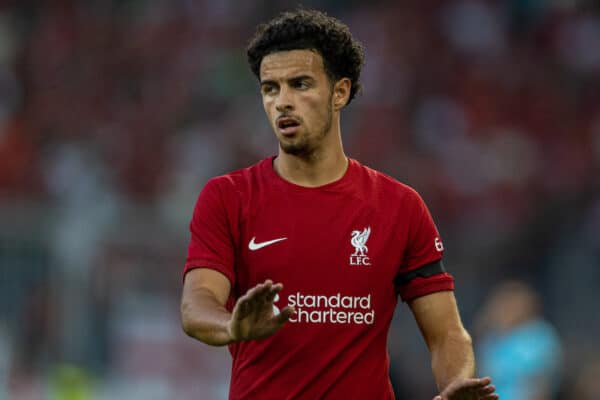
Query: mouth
(287, 125)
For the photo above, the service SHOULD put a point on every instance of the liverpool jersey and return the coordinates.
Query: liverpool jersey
(344, 253)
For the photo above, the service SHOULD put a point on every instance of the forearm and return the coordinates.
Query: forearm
(205, 319)
(452, 358)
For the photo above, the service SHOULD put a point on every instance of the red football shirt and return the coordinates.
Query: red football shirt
(337, 250)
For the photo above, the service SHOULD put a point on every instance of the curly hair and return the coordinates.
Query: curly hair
(343, 56)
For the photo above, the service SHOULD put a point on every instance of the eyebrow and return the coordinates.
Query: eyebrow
(292, 79)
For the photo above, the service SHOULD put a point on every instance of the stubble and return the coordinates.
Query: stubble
(306, 146)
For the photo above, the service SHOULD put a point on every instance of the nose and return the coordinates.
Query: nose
(284, 100)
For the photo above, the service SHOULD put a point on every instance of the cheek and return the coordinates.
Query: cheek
(322, 109)
(267, 106)
(316, 106)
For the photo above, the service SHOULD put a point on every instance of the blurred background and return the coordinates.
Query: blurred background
(113, 114)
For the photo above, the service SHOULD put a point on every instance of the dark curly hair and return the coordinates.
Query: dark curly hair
(343, 56)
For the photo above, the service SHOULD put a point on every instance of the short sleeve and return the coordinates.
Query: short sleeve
(424, 246)
(211, 243)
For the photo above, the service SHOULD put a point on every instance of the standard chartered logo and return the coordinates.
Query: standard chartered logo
(335, 309)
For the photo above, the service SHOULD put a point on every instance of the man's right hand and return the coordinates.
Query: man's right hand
(253, 317)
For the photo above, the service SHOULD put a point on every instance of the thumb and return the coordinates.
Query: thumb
(438, 398)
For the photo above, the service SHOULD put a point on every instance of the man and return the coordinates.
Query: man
(296, 262)
(517, 344)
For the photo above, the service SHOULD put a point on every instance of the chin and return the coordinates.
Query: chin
(295, 149)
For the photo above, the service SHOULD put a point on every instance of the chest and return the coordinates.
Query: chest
(326, 244)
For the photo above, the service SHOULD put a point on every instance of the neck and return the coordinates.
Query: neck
(326, 164)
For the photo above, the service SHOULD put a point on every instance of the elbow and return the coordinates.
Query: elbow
(203, 319)
(199, 330)
(187, 322)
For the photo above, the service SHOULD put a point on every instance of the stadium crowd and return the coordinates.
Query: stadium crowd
(113, 114)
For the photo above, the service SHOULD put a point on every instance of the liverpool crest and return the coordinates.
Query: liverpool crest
(359, 241)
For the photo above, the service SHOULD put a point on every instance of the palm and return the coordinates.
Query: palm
(253, 317)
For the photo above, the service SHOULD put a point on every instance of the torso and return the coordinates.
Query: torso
(339, 280)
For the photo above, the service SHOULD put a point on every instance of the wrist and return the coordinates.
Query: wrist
(230, 335)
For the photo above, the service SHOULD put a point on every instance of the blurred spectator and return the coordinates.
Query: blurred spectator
(516, 345)
(114, 113)
(587, 385)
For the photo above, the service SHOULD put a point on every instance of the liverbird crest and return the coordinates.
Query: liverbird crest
(359, 240)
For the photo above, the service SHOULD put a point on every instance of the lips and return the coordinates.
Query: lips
(288, 125)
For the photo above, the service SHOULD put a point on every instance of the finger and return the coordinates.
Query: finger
(487, 390)
(475, 383)
(490, 397)
(275, 289)
(485, 381)
(263, 300)
(266, 296)
(469, 385)
(267, 284)
(262, 291)
(261, 287)
(255, 295)
(252, 292)
(285, 314)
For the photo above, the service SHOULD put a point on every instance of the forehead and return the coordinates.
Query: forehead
(283, 64)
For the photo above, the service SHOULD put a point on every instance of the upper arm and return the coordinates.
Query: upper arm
(213, 229)
(437, 316)
(415, 277)
(206, 279)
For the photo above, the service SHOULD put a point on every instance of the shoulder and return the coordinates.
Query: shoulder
(232, 190)
(238, 180)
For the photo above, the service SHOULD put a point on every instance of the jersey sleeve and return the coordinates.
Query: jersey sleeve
(211, 243)
(424, 250)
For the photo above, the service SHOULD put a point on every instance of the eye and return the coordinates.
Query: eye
(268, 89)
(301, 84)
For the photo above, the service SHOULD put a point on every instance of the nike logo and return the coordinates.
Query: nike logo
(255, 246)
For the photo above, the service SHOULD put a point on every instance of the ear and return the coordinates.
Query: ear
(341, 93)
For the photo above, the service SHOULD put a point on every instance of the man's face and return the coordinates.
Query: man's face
(296, 94)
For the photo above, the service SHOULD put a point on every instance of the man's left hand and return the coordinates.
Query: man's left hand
(469, 389)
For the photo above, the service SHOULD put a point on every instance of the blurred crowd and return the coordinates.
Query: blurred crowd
(113, 114)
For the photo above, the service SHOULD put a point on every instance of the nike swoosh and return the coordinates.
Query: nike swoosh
(255, 246)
